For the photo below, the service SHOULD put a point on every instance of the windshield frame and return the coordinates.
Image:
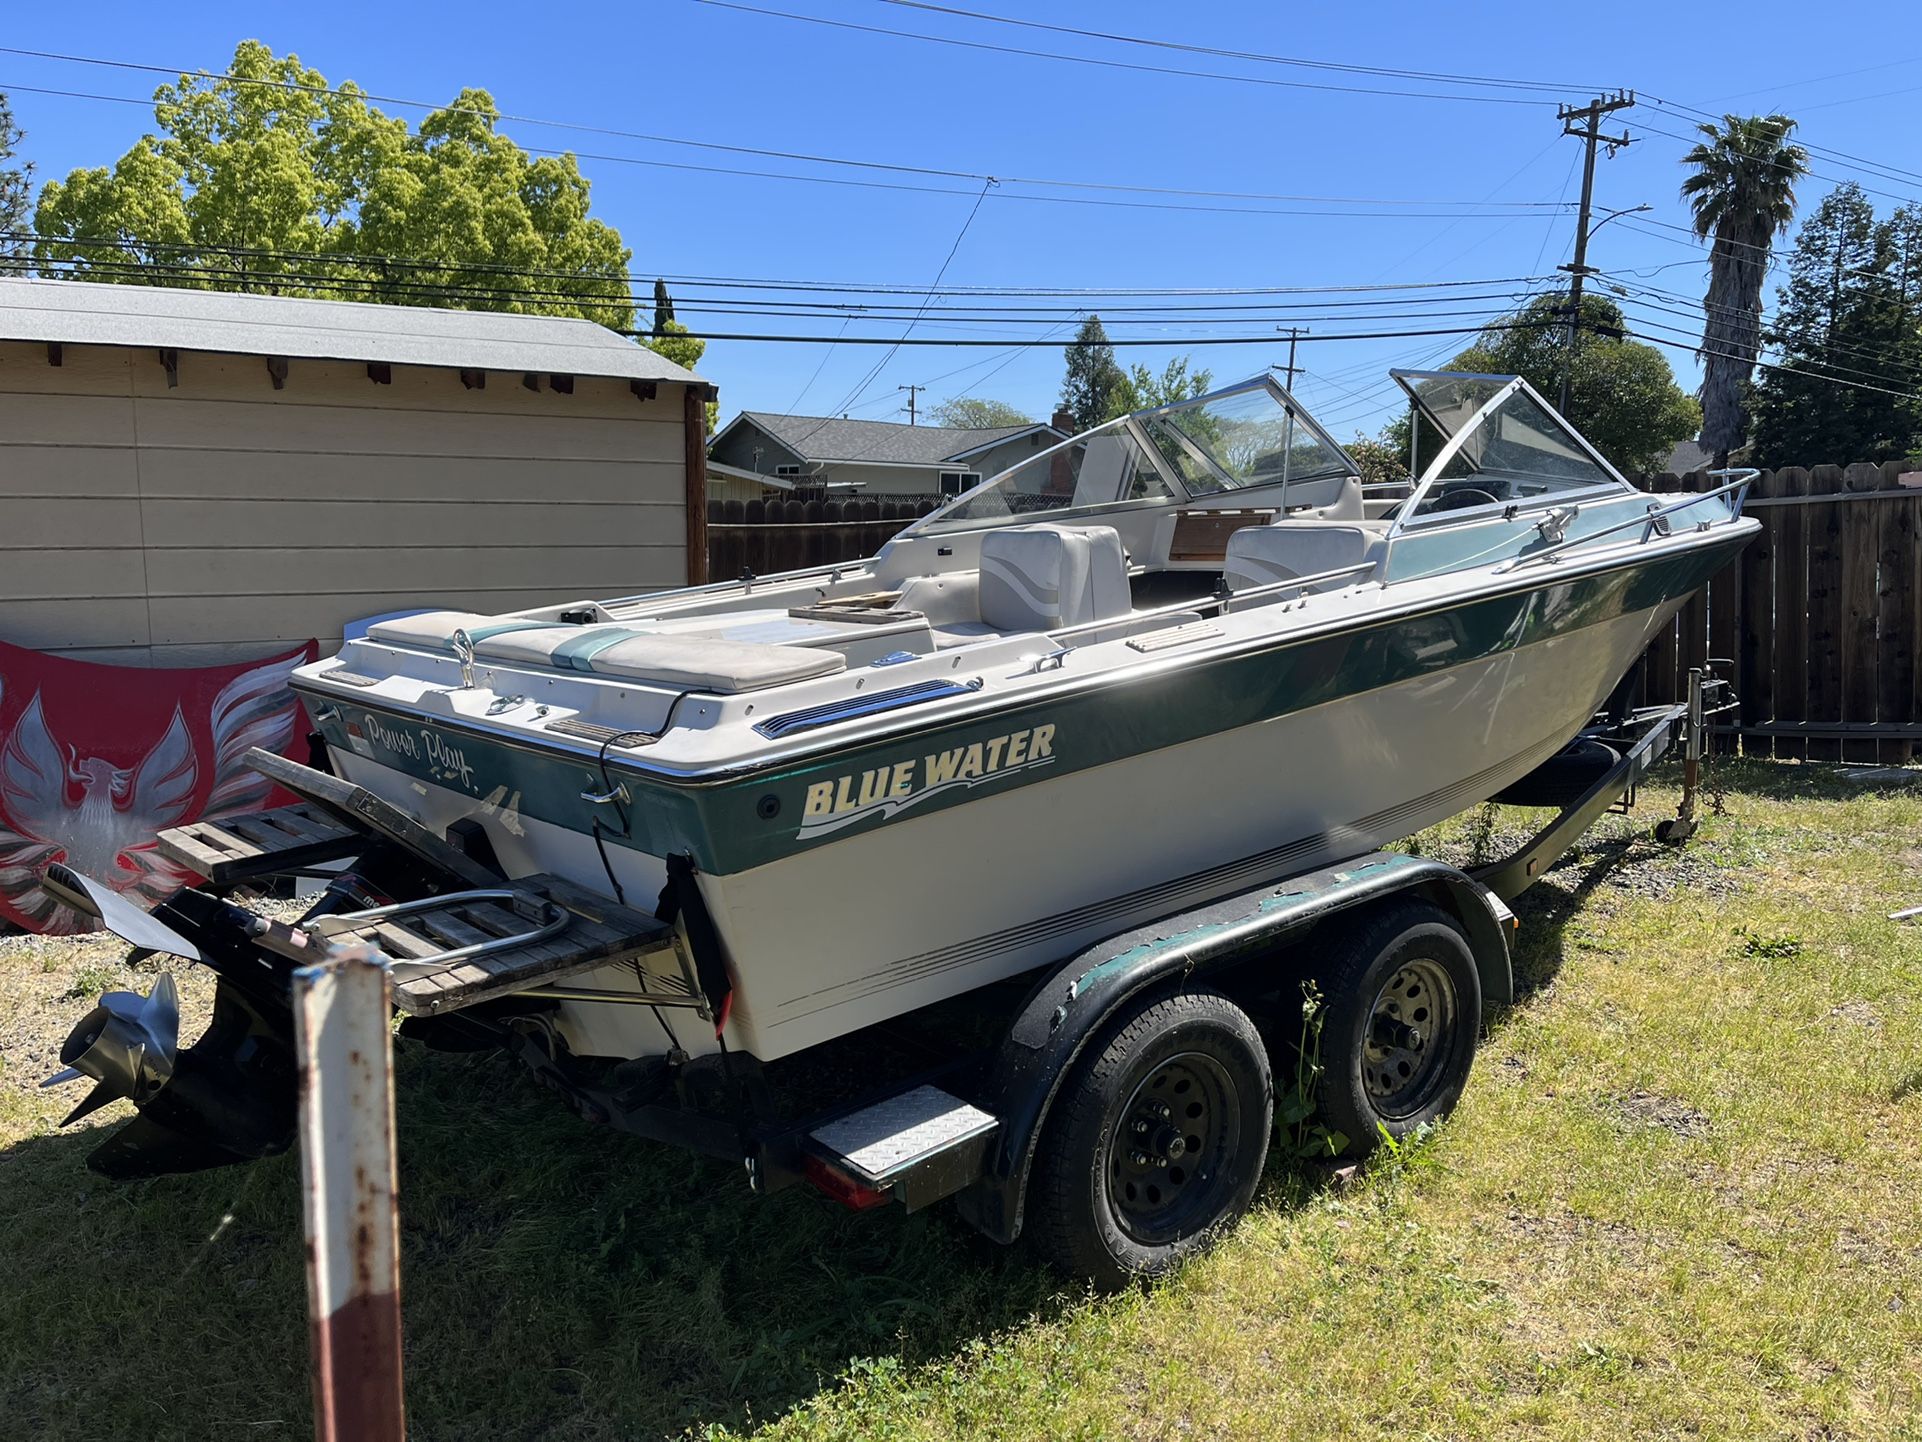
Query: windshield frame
(1132, 425)
(1614, 482)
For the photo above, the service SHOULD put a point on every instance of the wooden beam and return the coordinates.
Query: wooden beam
(643, 390)
(531, 381)
(563, 384)
(474, 380)
(694, 439)
(56, 353)
(277, 371)
(380, 373)
(170, 358)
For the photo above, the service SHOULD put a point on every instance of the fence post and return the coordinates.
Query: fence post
(348, 1195)
(1792, 611)
(1859, 607)
(1825, 610)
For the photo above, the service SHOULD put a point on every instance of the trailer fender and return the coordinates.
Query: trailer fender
(1074, 1003)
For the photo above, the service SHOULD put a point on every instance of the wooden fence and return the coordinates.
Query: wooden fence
(769, 536)
(1820, 616)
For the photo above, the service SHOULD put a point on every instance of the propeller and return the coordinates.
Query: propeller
(115, 912)
(127, 1044)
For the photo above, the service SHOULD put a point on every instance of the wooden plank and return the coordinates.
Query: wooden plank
(67, 470)
(323, 523)
(242, 379)
(56, 420)
(188, 474)
(1724, 631)
(449, 928)
(1860, 607)
(265, 426)
(574, 570)
(1755, 669)
(1895, 636)
(1203, 535)
(69, 523)
(1826, 613)
(694, 472)
(1791, 611)
(401, 943)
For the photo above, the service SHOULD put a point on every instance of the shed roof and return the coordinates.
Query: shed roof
(73, 312)
(829, 438)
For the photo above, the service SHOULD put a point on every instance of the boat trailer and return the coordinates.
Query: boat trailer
(471, 959)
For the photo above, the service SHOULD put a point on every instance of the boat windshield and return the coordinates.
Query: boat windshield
(1250, 435)
(1505, 444)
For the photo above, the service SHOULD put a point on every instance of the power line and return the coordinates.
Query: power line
(1292, 212)
(763, 152)
(1113, 64)
(1443, 77)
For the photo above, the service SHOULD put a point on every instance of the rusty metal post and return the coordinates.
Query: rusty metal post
(345, 1049)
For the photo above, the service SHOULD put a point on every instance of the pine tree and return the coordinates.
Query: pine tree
(16, 189)
(1846, 337)
(663, 309)
(1095, 389)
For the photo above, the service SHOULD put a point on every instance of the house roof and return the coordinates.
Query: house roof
(1686, 457)
(72, 312)
(829, 438)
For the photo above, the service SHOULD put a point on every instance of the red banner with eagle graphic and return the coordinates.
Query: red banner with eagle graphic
(94, 760)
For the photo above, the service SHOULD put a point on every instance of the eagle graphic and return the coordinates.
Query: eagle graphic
(100, 819)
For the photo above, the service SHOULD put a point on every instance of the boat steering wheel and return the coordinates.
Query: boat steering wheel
(1466, 497)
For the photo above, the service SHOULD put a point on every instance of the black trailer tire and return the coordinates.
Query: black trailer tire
(1156, 1141)
(1402, 1012)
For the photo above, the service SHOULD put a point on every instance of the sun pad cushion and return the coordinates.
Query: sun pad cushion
(698, 663)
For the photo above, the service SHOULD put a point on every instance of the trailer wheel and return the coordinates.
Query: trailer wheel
(1157, 1139)
(1403, 1011)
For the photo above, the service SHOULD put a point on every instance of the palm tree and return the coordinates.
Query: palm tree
(1743, 195)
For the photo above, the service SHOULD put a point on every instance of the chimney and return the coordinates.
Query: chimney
(1064, 422)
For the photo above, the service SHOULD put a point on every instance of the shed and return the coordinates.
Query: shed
(192, 477)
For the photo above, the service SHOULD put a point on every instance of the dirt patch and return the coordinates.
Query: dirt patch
(1647, 1109)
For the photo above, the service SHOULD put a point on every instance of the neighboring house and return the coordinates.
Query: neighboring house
(731, 483)
(1686, 457)
(189, 477)
(871, 457)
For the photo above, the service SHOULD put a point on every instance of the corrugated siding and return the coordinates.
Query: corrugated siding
(222, 518)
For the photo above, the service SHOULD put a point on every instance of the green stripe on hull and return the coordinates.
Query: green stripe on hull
(740, 824)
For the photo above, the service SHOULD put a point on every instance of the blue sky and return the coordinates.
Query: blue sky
(678, 68)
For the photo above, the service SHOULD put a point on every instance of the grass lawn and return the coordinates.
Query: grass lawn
(1682, 1197)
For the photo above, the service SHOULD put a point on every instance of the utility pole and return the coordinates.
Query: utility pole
(912, 391)
(1590, 133)
(1294, 334)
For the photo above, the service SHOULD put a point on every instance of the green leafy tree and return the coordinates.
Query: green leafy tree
(663, 308)
(1848, 328)
(1175, 383)
(1381, 462)
(1742, 192)
(977, 413)
(16, 190)
(1095, 388)
(1622, 395)
(273, 181)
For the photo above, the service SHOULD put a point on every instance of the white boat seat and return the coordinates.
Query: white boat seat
(1291, 548)
(1347, 505)
(952, 599)
(698, 663)
(434, 630)
(1043, 577)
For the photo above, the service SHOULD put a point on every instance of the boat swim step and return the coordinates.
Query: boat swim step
(923, 1144)
(453, 951)
(260, 843)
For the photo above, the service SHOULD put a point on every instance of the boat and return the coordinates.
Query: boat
(1156, 664)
